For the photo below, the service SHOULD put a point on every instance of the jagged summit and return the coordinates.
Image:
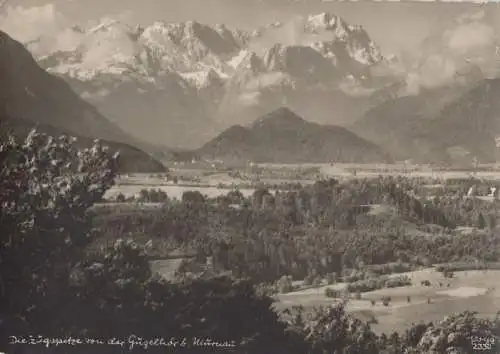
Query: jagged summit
(192, 46)
(188, 75)
(326, 20)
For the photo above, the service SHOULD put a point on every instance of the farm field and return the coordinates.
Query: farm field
(472, 290)
(491, 172)
(214, 182)
(310, 172)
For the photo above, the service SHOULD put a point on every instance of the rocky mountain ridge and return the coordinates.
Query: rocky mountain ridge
(194, 80)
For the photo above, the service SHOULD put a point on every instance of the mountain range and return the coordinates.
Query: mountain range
(435, 128)
(179, 84)
(191, 86)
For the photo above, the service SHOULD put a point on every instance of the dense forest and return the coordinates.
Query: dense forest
(319, 229)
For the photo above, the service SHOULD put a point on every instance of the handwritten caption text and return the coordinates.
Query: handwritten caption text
(131, 342)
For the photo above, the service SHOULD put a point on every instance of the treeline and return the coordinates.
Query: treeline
(371, 284)
(329, 203)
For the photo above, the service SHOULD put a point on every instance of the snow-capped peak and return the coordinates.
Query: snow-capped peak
(324, 20)
(323, 46)
(203, 79)
(235, 61)
(107, 24)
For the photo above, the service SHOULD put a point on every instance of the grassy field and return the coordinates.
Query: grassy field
(472, 290)
(307, 173)
(214, 181)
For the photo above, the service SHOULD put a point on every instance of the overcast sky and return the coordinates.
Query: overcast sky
(395, 26)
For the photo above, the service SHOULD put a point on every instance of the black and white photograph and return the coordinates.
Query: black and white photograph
(249, 176)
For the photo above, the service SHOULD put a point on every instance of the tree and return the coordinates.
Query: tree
(143, 196)
(386, 300)
(492, 222)
(120, 198)
(454, 334)
(52, 288)
(331, 278)
(47, 188)
(235, 196)
(258, 197)
(481, 222)
(193, 198)
(332, 330)
(316, 282)
(308, 280)
(285, 284)
(329, 292)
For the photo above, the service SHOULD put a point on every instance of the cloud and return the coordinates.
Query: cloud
(28, 24)
(42, 28)
(437, 70)
(46, 30)
(471, 36)
(469, 43)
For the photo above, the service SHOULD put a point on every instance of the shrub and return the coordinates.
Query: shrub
(332, 330)
(285, 284)
(152, 196)
(330, 278)
(308, 280)
(316, 282)
(425, 283)
(378, 283)
(329, 292)
(448, 274)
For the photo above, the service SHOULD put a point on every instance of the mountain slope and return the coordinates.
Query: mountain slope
(132, 160)
(283, 137)
(434, 128)
(31, 97)
(30, 92)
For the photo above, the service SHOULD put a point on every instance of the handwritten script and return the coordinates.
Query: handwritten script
(131, 342)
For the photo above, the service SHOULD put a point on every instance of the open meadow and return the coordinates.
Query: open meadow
(475, 290)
